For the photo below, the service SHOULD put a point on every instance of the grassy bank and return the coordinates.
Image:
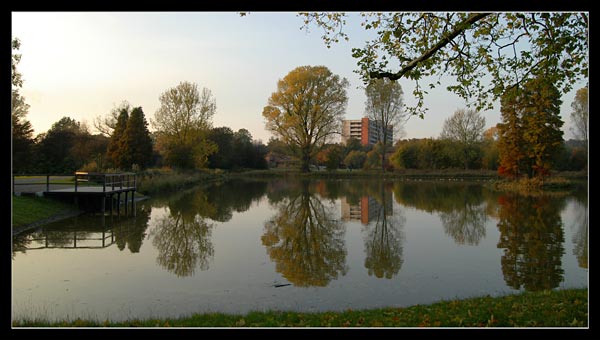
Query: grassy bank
(167, 180)
(535, 186)
(561, 308)
(399, 174)
(28, 210)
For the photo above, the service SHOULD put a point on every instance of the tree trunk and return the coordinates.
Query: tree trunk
(305, 159)
(383, 149)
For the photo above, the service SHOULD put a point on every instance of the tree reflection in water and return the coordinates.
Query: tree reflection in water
(460, 206)
(531, 234)
(581, 225)
(384, 237)
(466, 224)
(183, 237)
(132, 230)
(303, 239)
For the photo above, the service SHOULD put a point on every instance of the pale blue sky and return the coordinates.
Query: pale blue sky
(82, 64)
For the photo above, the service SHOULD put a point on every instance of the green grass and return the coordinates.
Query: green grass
(376, 173)
(560, 308)
(27, 210)
(557, 185)
(42, 179)
(165, 180)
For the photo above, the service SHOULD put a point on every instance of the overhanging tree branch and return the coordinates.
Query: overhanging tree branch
(461, 27)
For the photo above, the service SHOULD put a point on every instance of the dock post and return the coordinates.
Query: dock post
(126, 194)
(119, 204)
(47, 182)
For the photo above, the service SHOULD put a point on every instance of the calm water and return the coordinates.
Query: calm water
(300, 245)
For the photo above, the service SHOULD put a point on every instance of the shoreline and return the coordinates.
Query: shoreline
(56, 217)
(546, 308)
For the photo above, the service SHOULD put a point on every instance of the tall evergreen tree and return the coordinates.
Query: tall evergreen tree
(542, 123)
(510, 138)
(112, 151)
(530, 134)
(135, 145)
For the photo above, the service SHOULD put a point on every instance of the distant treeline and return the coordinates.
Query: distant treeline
(69, 146)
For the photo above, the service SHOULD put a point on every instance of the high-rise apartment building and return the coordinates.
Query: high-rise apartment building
(367, 131)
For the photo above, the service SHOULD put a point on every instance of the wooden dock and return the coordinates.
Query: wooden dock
(92, 190)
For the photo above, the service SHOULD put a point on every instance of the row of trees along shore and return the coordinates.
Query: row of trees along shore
(520, 59)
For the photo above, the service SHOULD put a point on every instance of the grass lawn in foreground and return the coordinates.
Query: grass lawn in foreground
(552, 308)
(27, 209)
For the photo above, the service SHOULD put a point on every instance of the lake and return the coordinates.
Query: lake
(303, 245)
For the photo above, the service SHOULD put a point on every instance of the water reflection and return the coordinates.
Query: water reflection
(88, 231)
(183, 236)
(132, 232)
(407, 242)
(581, 225)
(233, 196)
(384, 236)
(303, 239)
(461, 206)
(531, 234)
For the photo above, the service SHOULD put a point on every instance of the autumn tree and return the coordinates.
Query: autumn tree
(530, 134)
(579, 116)
(490, 149)
(355, 159)
(182, 123)
(22, 131)
(333, 156)
(135, 145)
(486, 53)
(384, 106)
(374, 157)
(465, 127)
(113, 155)
(307, 109)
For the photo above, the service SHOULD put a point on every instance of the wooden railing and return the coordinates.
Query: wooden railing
(111, 180)
(46, 182)
(81, 178)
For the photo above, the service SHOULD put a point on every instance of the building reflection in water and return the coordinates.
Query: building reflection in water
(366, 210)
